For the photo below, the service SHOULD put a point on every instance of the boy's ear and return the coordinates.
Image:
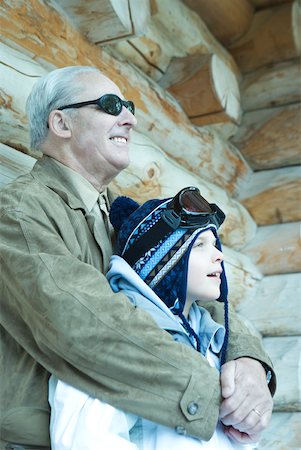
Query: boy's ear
(59, 124)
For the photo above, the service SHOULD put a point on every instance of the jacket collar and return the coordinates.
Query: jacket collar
(51, 174)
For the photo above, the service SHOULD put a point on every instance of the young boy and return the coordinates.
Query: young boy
(169, 263)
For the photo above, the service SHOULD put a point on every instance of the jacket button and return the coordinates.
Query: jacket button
(180, 430)
(192, 408)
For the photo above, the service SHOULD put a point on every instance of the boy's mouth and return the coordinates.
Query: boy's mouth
(214, 275)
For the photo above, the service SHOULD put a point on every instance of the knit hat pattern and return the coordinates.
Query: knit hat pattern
(164, 266)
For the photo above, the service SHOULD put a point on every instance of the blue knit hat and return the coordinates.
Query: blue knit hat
(164, 265)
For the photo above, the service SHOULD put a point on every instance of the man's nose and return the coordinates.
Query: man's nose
(127, 118)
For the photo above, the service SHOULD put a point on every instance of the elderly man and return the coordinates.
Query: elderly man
(58, 313)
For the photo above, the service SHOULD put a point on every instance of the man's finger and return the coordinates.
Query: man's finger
(242, 438)
(228, 379)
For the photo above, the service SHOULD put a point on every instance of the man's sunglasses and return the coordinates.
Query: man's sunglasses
(109, 103)
(188, 209)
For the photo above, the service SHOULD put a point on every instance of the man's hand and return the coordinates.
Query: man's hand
(247, 406)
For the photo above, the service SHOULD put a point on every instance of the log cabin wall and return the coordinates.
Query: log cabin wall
(217, 89)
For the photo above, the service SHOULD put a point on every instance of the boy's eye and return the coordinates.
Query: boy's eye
(199, 244)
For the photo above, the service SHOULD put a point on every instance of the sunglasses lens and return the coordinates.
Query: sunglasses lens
(131, 107)
(111, 104)
(193, 202)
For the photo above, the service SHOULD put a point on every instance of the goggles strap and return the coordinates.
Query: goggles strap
(148, 240)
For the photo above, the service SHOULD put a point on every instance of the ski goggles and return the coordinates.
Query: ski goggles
(187, 210)
(109, 103)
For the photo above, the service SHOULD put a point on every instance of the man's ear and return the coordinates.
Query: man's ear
(59, 124)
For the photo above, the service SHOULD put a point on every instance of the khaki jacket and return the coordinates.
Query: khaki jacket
(59, 315)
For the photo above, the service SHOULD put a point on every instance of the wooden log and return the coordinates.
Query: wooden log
(227, 20)
(276, 249)
(282, 433)
(227, 130)
(242, 277)
(261, 4)
(277, 85)
(18, 75)
(13, 163)
(274, 196)
(152, 174)
(270, 138)
(186, 34)
(58, 43)
(206, 88)
(285, 353)
(271, 305)
(104, 21)
(274, 36)
(163, 51)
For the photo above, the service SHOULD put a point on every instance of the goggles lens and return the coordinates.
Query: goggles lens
(191, 201)
(109, 103)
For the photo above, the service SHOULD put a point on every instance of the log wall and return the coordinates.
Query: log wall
(217, 90)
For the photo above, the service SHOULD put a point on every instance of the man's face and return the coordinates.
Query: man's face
(204, 269)
(100, 141)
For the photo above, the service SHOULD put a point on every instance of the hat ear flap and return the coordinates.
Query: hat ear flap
(121, 209)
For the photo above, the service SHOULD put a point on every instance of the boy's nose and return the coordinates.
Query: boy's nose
(219, 256)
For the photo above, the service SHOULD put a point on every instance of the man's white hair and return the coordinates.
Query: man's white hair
(57, 88)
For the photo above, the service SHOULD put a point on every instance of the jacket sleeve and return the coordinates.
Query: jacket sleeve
(243, 342)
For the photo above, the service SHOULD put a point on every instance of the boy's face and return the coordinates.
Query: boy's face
(204, 269)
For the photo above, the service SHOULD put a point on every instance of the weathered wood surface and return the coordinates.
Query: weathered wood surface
(260, 4)
(227, 20)
(18, 75)
(152, 174)
(186, 34)
(273, 36)
(58, 43)
(274, 196)
(205, 87)
(283, 432)
(242, 276)
(285, 353)
(13, 163)
(108, 20)
(276, 249)
(270, 138)
(277, 85)
(274, 307)
(227, 129)
(165, 51)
